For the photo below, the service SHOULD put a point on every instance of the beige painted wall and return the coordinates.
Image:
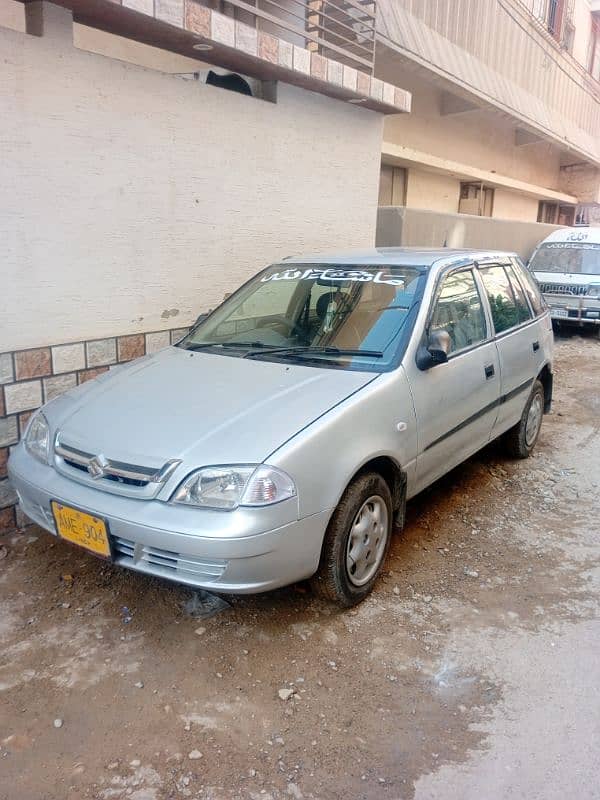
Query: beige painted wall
(510, 205)
(432, 191)
(129, 194)
(478, 138)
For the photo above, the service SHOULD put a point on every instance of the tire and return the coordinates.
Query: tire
(521, 439)
(364, 511)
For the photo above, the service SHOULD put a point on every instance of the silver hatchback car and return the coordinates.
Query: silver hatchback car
(281, 438)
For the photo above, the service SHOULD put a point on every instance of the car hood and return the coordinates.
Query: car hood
(202, 408)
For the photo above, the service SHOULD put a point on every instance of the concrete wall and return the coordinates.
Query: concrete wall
(432, 191)
(134, 199)
(413, 228)
(510, 205)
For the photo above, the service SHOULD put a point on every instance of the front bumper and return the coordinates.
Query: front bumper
(585, 311)
(243, 551)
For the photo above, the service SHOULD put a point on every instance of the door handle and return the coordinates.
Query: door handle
(536, 346)
(489, 371)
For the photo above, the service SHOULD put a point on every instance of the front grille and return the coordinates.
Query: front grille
(167, 562)
(108, 476)
(576, 290)
(113, 475)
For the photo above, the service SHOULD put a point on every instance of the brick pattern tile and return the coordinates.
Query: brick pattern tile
(23, 396)
(57, 385)
(8, 496)
(363, 83)
(101, 352)
(9, 433)
(3, 461)
(222, 29)
(335, 72)
(376, 89)
(157, 341)
(170, 11)
(197, 18)
(90, 374)
(301, 60)
(68, 358)
(246, 39)
(8, 520)
(318, 67)
(130, 347)
(389, 93)
(23, 420)
(268, 47)
(349, 78)
(7, 374)
(178, 334)
(145, 6)
(33, 363)
(286, 54)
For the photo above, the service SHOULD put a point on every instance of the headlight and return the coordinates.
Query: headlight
(593, 290)
(37, 438)
(230, 487)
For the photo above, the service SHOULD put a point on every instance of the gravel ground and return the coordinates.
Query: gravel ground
(471, 672)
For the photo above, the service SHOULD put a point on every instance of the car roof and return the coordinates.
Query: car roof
(575, 234)
(397, 256)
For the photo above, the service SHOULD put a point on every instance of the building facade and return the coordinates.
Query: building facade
(136, 194)
(505, 121)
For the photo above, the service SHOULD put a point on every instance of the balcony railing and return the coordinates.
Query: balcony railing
(340, 29)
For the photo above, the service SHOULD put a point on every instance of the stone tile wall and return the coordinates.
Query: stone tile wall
(29, 378)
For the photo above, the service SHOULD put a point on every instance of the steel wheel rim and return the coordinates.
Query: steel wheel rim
(367, 541)
(534, 419)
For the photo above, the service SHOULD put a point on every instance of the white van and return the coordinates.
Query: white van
(567, 267)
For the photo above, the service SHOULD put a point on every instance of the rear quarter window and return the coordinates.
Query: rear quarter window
(532, 290)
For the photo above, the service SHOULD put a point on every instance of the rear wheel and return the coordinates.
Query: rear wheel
(521, 439)
(356, 542)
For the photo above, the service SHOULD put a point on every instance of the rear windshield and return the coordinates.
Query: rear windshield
(575, 257)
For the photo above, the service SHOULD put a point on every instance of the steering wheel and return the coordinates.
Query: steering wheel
(292, 327)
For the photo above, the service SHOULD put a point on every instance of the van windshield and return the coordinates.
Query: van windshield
(575, 257)
(338, 316)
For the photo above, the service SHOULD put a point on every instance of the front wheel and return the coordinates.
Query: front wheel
(356, 542)
(521, 439)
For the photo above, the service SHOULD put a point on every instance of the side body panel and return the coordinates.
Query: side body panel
(379, 420)
(456, 407)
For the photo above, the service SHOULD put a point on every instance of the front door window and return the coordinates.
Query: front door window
(458, 311)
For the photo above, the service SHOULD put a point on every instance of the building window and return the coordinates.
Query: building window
(476, 198)
(555, 18)
(392, 186)
(555, 214)
(594, 57)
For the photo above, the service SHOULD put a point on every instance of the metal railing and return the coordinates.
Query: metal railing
(340, 29)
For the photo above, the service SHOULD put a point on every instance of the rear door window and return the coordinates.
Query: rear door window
(506, 311)
(523, 309)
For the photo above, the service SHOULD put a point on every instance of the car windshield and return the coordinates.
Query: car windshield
(352, 317)
(575, 257)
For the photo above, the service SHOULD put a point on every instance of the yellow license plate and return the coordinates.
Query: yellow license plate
(82, 529)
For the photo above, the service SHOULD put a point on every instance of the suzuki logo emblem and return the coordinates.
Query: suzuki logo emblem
(97, 466)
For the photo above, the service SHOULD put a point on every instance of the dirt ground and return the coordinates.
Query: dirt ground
(471, 672)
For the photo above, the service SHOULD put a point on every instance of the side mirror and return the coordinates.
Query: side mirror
(201, 318)
(438, 346)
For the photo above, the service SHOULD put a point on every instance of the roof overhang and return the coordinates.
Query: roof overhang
(210, 37)
(409, 157)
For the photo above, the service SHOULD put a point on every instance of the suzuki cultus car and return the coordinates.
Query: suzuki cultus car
(281, 438)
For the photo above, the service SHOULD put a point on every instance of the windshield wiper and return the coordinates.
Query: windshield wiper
(204, 345)
(318, 351)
